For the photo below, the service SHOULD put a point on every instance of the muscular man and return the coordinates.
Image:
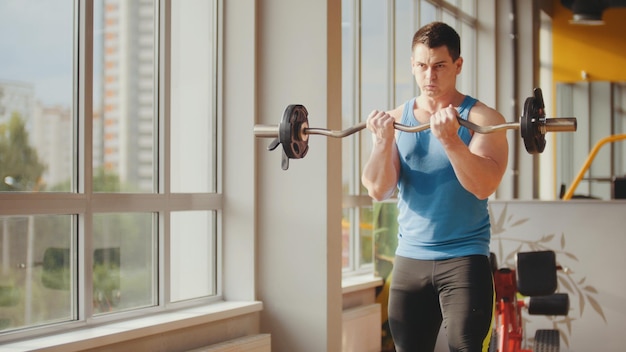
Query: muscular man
(444, 176)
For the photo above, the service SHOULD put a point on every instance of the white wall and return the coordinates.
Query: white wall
(298, 211)
(239, 83)
(588, 238)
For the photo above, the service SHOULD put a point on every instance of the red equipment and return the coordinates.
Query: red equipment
(535, 278)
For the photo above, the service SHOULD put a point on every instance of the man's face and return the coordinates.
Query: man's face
(434, 70)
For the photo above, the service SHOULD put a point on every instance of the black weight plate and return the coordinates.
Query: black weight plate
(295, 142)
(530, 123)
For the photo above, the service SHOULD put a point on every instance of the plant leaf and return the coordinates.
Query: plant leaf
(519, 222)
(564, 283)
(564, 338)
(581, 305)
(590, 289)
(596, 307)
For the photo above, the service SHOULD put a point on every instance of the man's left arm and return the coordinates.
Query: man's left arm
(481, 165)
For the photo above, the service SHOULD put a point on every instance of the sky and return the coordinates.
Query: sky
(36, 47)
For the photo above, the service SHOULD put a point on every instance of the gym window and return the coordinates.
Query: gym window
(109, 192)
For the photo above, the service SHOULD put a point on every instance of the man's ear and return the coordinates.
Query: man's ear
(459, 65)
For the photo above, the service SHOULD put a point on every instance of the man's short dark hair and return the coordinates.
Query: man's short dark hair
(437, 34)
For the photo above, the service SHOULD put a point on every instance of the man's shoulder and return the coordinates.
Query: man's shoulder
(397, 111)
(483, 112)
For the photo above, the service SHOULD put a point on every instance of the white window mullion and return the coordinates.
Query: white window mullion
(391, 54)
(84, 115)
(163, 143)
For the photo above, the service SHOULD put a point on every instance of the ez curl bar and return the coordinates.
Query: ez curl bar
(293, 131)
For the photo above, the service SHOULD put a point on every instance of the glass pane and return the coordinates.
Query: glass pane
(346, 238)
(123, 101)
(466, 81)
(192, 92)
(124, 262)
(366, 250)
(449, 18)
(192, 255)
(37, 270)
(36, 140)
(468, 6)
(375, 67)
(428, 12)
(350, 168)
(386, 236)
(348, 62)
(348, 83)
(366, 143)
(405, 24)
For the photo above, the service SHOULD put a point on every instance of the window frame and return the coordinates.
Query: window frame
(82, 202)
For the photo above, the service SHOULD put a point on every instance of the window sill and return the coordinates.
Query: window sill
(355, 283)
(136, 328)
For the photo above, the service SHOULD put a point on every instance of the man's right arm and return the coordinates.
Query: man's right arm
(381, 171)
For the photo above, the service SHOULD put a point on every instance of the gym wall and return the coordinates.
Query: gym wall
(600, 51)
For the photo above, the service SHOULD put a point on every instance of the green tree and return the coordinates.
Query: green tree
(20, 167)
(103, 182)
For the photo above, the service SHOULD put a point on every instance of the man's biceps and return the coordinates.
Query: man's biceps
(483, 146)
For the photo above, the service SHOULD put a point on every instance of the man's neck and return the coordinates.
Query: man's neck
(441, 101)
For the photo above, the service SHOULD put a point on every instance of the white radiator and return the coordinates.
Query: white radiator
(362, 329)
(253, 343)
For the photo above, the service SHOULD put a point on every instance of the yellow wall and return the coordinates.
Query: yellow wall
(598, 50)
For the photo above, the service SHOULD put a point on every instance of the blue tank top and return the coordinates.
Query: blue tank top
(437, 217)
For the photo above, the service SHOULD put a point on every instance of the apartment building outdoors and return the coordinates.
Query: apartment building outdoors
(16, 97)
(123, 116)
(128, 109)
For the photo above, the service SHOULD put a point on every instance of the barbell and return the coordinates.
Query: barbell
(293, 131)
